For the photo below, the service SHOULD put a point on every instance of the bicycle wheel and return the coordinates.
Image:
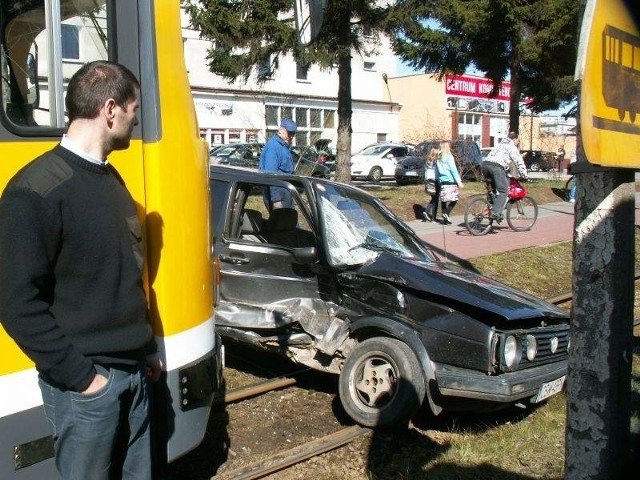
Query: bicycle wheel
(568, 186)
(477, 216)
(522, 214)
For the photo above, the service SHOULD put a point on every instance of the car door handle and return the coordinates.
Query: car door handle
(234, 260)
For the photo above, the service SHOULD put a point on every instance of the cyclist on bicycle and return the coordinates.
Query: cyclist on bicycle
(495, 167)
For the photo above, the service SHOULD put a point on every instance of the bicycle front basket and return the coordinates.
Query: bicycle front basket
(516, 190)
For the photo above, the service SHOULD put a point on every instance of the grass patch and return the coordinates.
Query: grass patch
(511, 444)
(543, 271)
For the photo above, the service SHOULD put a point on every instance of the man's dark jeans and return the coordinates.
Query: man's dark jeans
(499, 182)
(104, 435)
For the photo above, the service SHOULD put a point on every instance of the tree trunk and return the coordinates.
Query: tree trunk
(343, 142)
(599, 378)
(341, 13)
(514, 94)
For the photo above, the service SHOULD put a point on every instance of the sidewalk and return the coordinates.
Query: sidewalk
(555, 224)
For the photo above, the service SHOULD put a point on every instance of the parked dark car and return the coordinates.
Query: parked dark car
(326, 156)
(236, 154)
(410, 169)
(539, 160)
(340, 284)
(305, 162)
(248, 155)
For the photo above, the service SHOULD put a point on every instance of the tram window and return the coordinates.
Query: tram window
(33, 86)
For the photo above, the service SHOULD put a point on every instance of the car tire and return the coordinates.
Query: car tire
(381, 383)
(534, 167)
(375, 174)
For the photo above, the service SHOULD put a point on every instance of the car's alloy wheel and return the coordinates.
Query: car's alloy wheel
(534, 167)
(381, 383)
(375, 174)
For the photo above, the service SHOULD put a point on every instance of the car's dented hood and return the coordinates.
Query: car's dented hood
(461, 286)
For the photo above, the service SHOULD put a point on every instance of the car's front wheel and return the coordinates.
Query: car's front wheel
(375, 174)
(534, 167)
(381, 383)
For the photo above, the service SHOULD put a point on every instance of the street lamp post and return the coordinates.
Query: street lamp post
(531, 130)
(386, 82)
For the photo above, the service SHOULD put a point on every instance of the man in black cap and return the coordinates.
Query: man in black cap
(276, 157)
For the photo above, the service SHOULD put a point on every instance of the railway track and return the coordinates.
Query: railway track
(287, 457)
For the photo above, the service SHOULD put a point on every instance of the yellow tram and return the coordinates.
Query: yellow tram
(43, 42)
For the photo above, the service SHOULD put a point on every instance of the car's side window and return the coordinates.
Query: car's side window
(288, 227)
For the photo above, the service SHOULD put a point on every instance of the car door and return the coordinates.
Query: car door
(265, 285)
(388, 162)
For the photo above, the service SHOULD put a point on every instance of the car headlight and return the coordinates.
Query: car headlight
(532, 347)
(511, 352)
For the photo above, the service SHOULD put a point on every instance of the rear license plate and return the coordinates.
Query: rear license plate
(411, 174)
(549, 388)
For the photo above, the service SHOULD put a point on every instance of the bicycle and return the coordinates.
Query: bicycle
(521, 210)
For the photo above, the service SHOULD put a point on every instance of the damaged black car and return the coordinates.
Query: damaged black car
(340, 284)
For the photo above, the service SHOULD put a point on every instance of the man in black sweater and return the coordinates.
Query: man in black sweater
(71, 289)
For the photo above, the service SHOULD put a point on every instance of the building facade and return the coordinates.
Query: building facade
(460, 106)
(248, 111)
(385, 107)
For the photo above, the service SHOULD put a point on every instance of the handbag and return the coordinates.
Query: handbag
(430, 186)
(449, 193)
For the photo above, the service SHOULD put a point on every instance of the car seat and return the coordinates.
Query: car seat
(252, 224)
(282, 229)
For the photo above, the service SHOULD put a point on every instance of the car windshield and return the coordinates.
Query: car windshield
(225, 151)
(373, 150)
(358, 229)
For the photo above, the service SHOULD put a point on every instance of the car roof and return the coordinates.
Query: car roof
(383, 146)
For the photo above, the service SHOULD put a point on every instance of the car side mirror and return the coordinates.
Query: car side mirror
(305, 255)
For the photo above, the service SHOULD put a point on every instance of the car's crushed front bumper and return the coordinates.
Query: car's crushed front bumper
(505, 388)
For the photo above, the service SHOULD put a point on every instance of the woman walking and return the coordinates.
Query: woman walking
(431, 185)
(450, 181)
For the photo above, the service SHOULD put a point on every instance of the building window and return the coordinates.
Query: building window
(70, 42)
(367, 65)
(329, 118)
(271, 115)
(286, 112)
(381, 137)
(311, 122)
(470, 126)
(302, 70)
(301, 117)
(264, 69)
(315, 118)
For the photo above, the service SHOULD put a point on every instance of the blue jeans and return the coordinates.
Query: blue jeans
(104, 435)
(499, 182)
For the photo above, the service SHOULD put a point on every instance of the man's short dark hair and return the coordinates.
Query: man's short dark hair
(512, 135)
(94, 83)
